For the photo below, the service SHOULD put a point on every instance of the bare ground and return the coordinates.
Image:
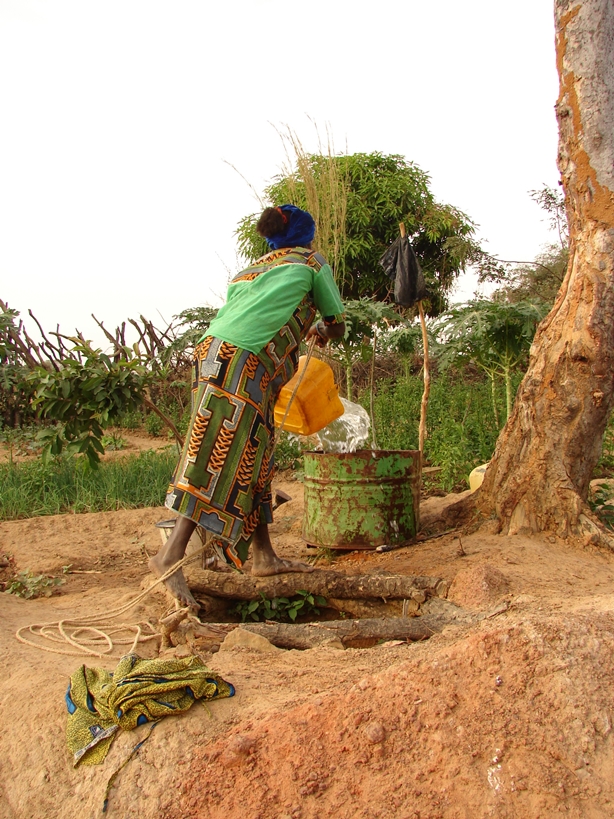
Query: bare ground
(509, 718)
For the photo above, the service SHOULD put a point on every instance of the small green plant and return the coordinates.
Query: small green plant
(154, 425)
(279, 608)
(288, 452)
(20, 440)
(131, 420)
(602, 505)
(606, 462)
(28, 585)
(85, 394)
(323, 555)
(113, 441)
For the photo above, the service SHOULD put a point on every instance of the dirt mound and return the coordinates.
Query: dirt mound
(514, 720)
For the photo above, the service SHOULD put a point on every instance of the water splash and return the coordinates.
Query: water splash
(348, 432)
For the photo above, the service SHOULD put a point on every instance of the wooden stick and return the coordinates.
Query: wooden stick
(427, 384)
(150, 405)
(425, 393)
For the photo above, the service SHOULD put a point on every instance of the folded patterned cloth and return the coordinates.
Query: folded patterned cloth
(138, 691)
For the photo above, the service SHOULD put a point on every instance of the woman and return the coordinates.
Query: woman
(223, 480)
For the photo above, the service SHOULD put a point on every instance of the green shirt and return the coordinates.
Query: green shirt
(261, 299)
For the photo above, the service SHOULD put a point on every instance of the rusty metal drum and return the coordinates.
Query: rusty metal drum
(361, 500)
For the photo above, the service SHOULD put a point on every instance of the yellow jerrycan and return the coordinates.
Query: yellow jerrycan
(316, 402)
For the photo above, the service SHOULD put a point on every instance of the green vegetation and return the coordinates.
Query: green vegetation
(28, 585)
(67, 484)
(462, 431)
(279, 608)
(154, 425)
(365, 320)
(602, 505)
(494, 336)
(288, 452)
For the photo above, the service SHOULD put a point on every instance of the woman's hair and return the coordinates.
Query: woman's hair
(286, 226)
(271, 222)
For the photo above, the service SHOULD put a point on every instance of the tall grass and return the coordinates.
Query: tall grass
(68, 485)
(323, 183)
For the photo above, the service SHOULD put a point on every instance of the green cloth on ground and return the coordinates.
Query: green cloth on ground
(138, 691)
(261, 299)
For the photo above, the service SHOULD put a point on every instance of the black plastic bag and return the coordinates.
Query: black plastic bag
(402, 266)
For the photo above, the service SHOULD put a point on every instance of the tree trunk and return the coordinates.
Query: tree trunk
(350, 633)
(539, 475)
(235, 586)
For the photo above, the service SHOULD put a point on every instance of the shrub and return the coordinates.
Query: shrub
(154, 425)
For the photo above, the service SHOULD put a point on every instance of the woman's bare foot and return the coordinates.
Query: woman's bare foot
(170, 554)
(279, 565)
(266, 562)
(175, 583)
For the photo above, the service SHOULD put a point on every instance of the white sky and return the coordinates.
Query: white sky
(117, 117)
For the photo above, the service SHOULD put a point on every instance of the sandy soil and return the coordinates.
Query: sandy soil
(508, 718)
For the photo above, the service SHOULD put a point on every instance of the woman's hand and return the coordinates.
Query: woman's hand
(318, 331)
(323, 333)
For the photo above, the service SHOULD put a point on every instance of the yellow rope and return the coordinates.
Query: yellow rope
(101, 640)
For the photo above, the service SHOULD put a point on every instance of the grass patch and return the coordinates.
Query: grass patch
(68, 485)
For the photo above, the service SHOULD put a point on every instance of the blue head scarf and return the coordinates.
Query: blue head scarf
(298, 231)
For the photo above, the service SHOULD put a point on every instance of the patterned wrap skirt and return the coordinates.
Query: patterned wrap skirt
(223, 479)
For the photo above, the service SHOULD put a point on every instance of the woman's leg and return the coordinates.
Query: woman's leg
(172, 552)
(266, 561)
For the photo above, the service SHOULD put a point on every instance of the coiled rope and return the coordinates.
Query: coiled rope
(94, 634)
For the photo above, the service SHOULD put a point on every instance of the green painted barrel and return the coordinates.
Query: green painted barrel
(361, 500)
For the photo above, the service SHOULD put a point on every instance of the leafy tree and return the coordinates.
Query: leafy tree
(188, 327)
(378, 192)
(82, 389)
(495, 336)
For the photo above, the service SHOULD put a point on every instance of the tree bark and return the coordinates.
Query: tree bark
(539, 476)
(236, 586)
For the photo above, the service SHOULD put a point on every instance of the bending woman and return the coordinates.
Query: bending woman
(223, 479)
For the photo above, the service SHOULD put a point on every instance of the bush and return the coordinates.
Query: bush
(154, 425)
(131, 420)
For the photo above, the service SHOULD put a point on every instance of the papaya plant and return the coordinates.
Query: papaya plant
(494, 336)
